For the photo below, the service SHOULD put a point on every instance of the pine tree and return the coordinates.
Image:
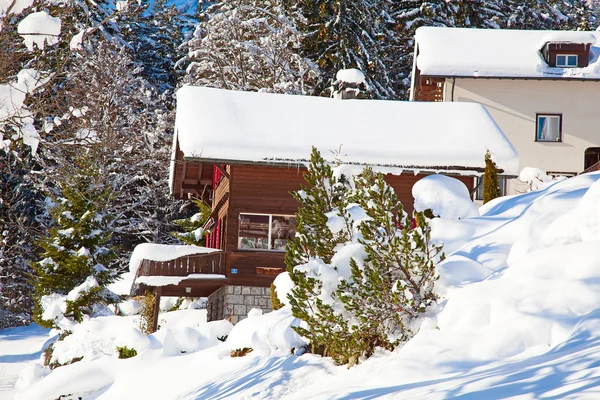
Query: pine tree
(394, 284)
(314, 241)
(76, 249)
(19, 212)
(491, 187)
(350, 34)
(348, 316)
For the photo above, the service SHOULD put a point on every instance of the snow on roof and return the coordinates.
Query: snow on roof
(498, 53)
(351, 75)
(162, 252)
(245, 127)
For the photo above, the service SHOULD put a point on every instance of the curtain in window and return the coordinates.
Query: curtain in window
(549, 129)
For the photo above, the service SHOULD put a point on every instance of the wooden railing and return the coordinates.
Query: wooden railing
(595, 167)
(213, 263)
(430, 89)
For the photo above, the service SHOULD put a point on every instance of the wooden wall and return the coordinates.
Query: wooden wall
(265, 189)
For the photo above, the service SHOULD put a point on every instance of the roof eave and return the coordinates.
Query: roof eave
(537, 78)
(475, 171)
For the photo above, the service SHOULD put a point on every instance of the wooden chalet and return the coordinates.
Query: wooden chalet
(244, 153)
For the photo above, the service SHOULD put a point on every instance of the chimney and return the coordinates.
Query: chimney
(348, 84)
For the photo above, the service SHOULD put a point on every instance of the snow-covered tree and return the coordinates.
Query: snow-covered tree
(76, 250)
(250, 46)
(361, 274)
(350, 34)
(394, 284)
(18, 213)
(316, 243)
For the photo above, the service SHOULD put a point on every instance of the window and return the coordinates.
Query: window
(566, 60)
(479, 186)
(265, 231)
(548, 128)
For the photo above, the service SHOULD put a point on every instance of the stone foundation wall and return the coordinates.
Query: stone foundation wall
(234, 302)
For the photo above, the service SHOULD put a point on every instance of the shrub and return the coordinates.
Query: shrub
(241, 352)
(126, 352)
(491, 188)
(275, 303)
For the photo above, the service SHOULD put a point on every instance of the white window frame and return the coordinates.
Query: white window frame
(269, 234)
(566, 64)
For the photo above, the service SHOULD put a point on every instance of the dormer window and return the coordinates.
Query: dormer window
(559, 53)
(566, 60)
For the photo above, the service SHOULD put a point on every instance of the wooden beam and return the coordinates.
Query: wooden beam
(184, 171)
(223, 171)
(156, 309)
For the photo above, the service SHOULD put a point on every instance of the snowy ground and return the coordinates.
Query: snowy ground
(18, 347)
(519, 318)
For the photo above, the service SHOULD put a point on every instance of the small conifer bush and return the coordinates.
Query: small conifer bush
(491, 188)
(275, 303)
(126, 352)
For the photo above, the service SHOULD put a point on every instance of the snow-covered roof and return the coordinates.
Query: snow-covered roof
(499, 53)
(224, 126)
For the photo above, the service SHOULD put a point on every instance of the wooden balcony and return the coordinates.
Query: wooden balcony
(202, 275)
(595, 167)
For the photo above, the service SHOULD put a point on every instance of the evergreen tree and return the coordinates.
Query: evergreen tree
(348, 315)
(350, 34)
(314, 241)
(76, 249)
(394, 284)
(18, 213)
(192, 226)
(491, 188)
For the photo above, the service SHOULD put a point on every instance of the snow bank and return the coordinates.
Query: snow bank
(283, 286)
(587, 215)
(162, 252)
(217, 124)
(447, 197)
(268, 334)
(129, 307)
(534, 177)
(39, 28)
(99, 337)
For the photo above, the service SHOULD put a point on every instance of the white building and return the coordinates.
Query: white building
(541, 87)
